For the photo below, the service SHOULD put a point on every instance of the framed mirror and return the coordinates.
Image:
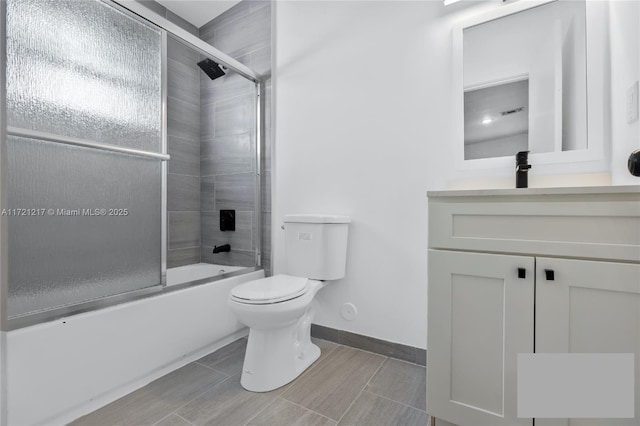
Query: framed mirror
(526, 79)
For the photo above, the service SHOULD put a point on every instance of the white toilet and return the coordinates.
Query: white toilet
(278, 309)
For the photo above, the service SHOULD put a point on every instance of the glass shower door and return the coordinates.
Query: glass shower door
(85, 153)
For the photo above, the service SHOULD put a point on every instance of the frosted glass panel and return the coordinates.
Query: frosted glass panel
(61, 255)
(84, 69)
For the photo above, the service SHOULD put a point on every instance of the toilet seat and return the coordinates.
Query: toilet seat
(276, 289)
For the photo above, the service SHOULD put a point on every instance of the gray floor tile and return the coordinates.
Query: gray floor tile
(401, 381)
(173, 420)
(226, 404)
(155, 401)
(332, 385)
(283, 412)
(325, 347)
(228, 359)
(373, 410)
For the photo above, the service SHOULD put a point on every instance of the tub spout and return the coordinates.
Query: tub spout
(222, 248)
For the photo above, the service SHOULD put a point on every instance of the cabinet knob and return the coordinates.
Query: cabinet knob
(522, 273)
(549, 274)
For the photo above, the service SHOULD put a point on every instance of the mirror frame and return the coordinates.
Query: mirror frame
(597, 156)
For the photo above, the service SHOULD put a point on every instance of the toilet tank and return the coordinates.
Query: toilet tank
(316, 245)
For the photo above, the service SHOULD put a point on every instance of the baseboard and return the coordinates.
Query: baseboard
(371, 344)
(115, 394)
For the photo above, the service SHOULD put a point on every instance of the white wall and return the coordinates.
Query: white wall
(363, 127)
(624, 21)
(362, 112)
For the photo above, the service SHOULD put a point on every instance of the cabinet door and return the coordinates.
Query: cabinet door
(589, 307)
(480, 318)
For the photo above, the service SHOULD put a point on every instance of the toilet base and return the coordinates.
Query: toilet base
(275, 357)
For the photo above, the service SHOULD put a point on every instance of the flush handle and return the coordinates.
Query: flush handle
(522, 273)
(549, 274)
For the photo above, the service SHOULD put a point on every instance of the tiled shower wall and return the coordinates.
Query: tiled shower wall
(183, 144)
(211, 140)
(227, 116)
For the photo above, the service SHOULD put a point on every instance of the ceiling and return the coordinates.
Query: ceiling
(496, 112)
(198, 12)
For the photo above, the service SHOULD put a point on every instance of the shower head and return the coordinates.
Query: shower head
(211, 68)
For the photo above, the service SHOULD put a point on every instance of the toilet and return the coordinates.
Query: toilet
(278, 309)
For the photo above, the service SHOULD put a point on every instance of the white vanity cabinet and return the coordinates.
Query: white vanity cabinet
(523, 271)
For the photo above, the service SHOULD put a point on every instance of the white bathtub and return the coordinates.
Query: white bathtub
(198, 271)
(63, 369)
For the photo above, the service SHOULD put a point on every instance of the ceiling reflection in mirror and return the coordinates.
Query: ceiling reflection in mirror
(524, 79)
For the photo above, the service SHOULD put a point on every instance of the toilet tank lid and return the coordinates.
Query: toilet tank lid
(316, 218)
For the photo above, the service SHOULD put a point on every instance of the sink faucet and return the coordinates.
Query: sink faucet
(222, 248)
(522, 167)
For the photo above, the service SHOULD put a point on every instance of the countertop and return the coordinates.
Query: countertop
(578, 190)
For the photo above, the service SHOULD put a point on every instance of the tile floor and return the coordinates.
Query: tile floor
(346, 386)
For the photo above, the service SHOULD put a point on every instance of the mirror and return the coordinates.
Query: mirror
(525, 81)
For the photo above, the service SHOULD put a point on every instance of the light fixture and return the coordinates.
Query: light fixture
(487, 120)
(448, 2)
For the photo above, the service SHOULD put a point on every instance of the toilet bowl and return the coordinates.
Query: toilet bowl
(279, 347)
(279, 310)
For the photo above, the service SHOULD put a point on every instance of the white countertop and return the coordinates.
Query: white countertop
(584, 190)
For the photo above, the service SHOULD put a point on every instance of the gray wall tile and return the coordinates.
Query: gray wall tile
(227, 117)
(241, 10)
(207, 194)
(184, 229)
(266, 191)
(231, 116)
(183, 257)
(236, 192)
(183, 193)
(246, 35)
(183, 119)
(183, 82)
(233, 258)
(240, 239)
(261, 61)
(231, 154)
(228, 86)
(185, 157)
(180, 52)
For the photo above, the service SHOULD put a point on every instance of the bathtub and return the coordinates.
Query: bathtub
(63, 369)
(198, 272)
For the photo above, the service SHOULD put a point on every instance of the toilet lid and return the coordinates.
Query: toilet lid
(278, 288)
